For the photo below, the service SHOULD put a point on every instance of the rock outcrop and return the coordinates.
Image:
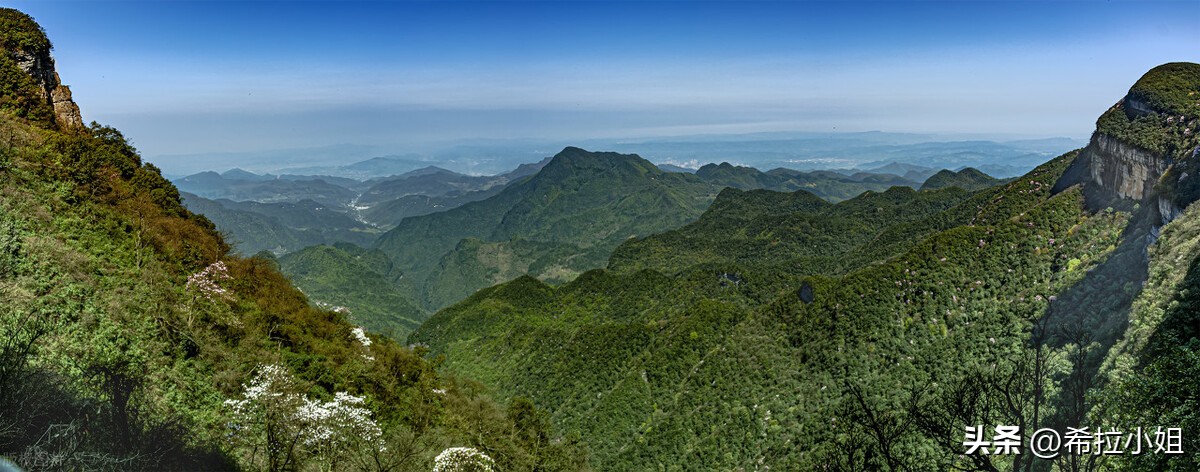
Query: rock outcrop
(1124, 170)
(41, 97)
(40, 65)
(1145, 146)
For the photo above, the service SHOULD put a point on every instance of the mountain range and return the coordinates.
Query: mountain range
(595, 311)
(782, 330)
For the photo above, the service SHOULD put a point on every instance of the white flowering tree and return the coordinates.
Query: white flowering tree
(463, 459)
(277, 424)
(262, 418)
(330, 429)
(207, 282)
(360, 335)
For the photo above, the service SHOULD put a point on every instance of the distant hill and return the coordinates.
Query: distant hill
(966, 179)
(429, 181)
(790, 233)
(589, 201)
(280, 227)
(214, 186)
(675, 168)
(375, 167)
(829, 185)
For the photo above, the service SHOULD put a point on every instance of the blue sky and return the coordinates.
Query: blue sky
(193, 77)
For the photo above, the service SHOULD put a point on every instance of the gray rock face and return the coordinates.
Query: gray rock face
(1135, 107)
(40, 66)
(1122, 169)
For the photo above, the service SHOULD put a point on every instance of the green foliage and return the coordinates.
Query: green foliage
(1172, 88)
(1161, 113)
(116, 354)
(19, 31)
(358, 280)
(720, 365)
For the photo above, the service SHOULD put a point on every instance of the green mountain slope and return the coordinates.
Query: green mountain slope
(133, 340)
(1058, 299)
(355, 281)
(592, 201)
(789, 234)
(638, 362)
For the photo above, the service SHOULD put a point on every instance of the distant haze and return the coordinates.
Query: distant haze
(186, 80)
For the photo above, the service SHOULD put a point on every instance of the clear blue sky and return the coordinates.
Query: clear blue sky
(186, 77)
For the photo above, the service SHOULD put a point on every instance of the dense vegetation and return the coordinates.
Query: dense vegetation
(718, 367)
(1161, 113)
(360, 282)
(133, 339)
(768, 330)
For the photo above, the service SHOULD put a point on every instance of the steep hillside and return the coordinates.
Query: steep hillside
(1055, 300)
(133, 340)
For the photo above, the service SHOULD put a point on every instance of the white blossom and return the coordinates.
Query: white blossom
(271, 401)
(463, 459)
(360, 335)
(207, 282)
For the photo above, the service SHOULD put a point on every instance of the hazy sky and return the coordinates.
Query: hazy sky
(182, 77)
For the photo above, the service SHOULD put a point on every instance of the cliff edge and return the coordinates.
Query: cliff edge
(1145, 146)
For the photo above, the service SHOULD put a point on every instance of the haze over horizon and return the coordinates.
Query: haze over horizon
(218, 77)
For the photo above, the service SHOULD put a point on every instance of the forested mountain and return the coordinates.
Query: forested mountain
(763, 336)
(568, 218)
(131, 339)
(555, 224)
(966, 179)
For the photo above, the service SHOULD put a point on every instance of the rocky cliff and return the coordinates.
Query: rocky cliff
(40, 66)
(43, 98)
(1145, 146)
